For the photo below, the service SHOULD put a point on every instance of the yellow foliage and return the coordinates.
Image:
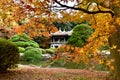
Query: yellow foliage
(114, 47)
(118, 20)
(101, 61)
(112, 68)
(108, 63)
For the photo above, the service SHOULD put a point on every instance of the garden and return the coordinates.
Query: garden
(22, 55)
(85, 44)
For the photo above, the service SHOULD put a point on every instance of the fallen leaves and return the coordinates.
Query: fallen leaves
(37, 73)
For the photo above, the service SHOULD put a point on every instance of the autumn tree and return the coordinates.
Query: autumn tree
(106, 22)
(23, 16)
(104, 16)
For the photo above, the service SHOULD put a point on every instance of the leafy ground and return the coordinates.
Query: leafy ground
(37, 73)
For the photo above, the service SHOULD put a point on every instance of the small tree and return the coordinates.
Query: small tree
(80, 35)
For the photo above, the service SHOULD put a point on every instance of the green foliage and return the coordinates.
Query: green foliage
(58, 63)
(23, 41)
(50, 51)
(74, 65)
(26, 44)
(52, 48)
(80, 34)
(81, 65)
(43, 51)
(29, 47)
(21, 49)
(22, 44)
(101, 67)
(33, 43)
(23, 37)
(9, 55)
(32, 55)
(69, 65)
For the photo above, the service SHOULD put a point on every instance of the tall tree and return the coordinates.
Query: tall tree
(106, 20)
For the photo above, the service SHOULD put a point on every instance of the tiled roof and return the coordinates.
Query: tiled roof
(62, 33)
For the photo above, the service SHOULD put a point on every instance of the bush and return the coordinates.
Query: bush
(26, 44)
(33, 43)
(50, 51)
(29, 47)
(43, 51)
(32, 55)
(20, 37)
(22, 44)
(9, 55)
(23, 41)
(21, 49)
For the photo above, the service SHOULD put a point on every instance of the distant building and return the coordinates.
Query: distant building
(59, 38)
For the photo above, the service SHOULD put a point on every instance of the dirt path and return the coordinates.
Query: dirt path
(37, 73)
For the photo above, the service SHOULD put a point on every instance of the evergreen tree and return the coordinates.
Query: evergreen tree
(80, 35)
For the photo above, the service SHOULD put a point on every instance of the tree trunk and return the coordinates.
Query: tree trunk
(114, 42)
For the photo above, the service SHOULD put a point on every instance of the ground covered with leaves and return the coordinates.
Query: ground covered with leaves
(37, 73)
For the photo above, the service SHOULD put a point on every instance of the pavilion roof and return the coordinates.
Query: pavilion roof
(62, 33)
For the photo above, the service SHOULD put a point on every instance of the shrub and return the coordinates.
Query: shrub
(32, 55)
(23, 41)
(33, 43)
(26, 44)
(50, 51)
(29, 47)
(9, 55)
(43, 51)
(20, 37)
(21, 49)
(21, 44)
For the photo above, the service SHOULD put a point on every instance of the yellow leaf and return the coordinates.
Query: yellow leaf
(107, 62)
(114, 47)
(112, 68)
(101, 62)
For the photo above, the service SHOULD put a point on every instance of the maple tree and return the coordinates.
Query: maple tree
(105, 15)
(26, 17)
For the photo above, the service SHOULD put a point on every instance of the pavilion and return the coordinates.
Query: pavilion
(59, 38)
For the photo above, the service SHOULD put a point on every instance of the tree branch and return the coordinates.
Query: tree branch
(84, 10)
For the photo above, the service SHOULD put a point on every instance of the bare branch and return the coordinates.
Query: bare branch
(84, 10)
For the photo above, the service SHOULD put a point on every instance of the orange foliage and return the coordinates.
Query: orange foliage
(38, 15)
